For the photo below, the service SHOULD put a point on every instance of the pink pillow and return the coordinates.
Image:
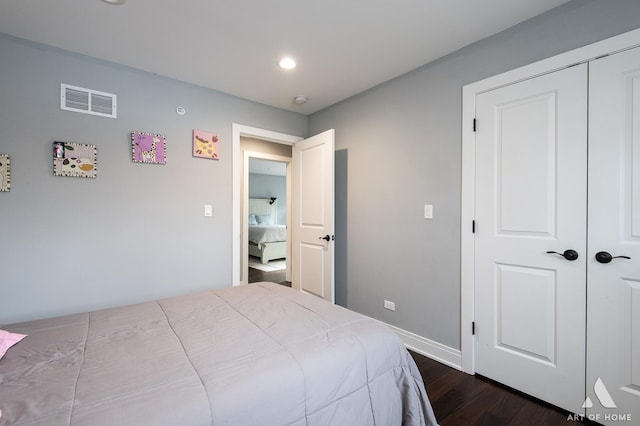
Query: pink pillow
(7, 340)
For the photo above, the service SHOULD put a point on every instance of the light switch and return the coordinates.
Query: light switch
(428, 211)
(208, 210)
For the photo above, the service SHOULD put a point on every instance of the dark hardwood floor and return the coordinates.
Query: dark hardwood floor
(461, 399)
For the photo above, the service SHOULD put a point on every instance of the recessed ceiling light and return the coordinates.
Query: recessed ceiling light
(115, 2)
(287, 63)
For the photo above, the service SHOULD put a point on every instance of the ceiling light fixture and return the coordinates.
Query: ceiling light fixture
(287, 63)
(115, 2)
(300, 100)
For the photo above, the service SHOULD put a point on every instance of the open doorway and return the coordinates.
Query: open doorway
(268, 242)
(312, 234)
(265, 145)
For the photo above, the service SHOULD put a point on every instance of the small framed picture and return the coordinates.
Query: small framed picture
(5, 173)
(75, 160)
(148, 148)
(205, 145)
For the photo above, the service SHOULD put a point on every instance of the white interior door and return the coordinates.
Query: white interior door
(313, 216)
(613, 307)
(531, 158)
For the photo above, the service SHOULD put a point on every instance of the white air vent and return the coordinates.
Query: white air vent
(87, 101)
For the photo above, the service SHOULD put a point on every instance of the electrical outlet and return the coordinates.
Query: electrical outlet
(389, 305)
(208, 210)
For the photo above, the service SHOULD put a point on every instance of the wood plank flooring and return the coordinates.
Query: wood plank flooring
(461, 399)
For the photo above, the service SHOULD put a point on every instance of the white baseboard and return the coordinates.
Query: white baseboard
(429, 348)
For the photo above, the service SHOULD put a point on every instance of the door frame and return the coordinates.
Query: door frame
(587, 53)
(238, 130)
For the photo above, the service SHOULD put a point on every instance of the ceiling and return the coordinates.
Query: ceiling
(342, 47)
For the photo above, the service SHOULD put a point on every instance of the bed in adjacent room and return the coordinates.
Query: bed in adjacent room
(259, 354)
(267, 238)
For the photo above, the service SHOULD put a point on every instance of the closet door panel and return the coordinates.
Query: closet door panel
(531, 174)
(613, 305)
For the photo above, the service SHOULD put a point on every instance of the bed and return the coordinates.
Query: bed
(267, 238)
(259, 354)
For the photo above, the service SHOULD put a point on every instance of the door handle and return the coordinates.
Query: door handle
(605, 257)
(326, 238)
(568, 254)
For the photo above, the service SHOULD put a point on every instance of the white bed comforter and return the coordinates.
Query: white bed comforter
(267, 233)
(259, 354)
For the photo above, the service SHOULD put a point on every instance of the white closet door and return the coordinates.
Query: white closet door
(531, 158)
(613, 308)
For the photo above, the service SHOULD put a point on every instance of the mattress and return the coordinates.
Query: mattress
(259, 354)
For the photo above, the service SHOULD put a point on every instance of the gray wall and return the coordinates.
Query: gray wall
(267, 186)
(399, 147)
(135, 233)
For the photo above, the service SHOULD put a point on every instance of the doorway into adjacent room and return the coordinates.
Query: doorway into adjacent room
(268, 208)
(310, 200)
(265, 210)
